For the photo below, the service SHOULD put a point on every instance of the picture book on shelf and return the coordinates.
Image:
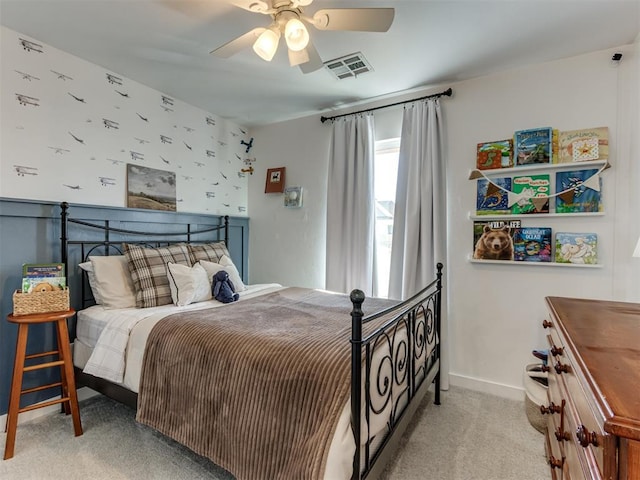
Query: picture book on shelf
(532, 244)
(579, 248)
(534, 191)
(498, 154)
(584, 145)
(491, 199)
(493, 240)
(533, 146)
(43, 277)
(580, 198)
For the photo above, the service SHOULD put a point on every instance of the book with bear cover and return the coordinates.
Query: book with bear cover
(534, 186)
(579, 198)
(43, 276)
(579, 248)
(584, 145)
(493, 240)
(532, 244)
(491, 199)
(533, 146)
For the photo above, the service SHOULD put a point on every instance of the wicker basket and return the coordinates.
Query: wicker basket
(535, 395)
(40, 302)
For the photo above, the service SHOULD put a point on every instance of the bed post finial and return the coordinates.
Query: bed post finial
(64, 206)
(357, 299)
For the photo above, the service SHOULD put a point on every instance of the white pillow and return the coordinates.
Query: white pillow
(234, 275)
(88, 268)
(188, 284)
(211, 268)
(227, 265)
(113, 281)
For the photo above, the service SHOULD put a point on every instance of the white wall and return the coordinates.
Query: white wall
(495, 311)
(287, 245)
(69, 97)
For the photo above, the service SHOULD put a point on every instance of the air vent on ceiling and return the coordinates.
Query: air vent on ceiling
(348, 66)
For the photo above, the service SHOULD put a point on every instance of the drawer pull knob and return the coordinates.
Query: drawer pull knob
(552, 408)
(585, 437)
(545, 368)
(547, 324)
(555, 351)
(556, 462)
(561, 368)
(562, 435)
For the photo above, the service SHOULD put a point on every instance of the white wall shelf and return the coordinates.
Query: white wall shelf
(534, 264)
(540, 166)
(510, 216)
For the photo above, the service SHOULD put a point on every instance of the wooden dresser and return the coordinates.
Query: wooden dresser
(593, 409)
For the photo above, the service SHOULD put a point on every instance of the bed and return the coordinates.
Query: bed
(280, 384)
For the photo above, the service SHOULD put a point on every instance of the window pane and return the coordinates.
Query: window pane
(386, 174)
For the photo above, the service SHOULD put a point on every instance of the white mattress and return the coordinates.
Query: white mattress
(93, 321)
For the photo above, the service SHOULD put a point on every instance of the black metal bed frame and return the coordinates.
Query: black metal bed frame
(403, 376)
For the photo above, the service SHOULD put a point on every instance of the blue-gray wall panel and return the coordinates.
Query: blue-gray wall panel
(30, 233)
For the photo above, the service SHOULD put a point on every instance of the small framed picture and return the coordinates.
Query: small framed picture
(293, 197)
(275, 180)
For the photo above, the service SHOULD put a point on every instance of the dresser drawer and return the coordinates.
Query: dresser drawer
(585, 462)
(585, 451)
(555, 457)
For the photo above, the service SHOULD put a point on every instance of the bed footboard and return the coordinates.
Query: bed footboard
(395, 381)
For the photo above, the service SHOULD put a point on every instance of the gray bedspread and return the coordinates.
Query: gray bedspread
(256, 386)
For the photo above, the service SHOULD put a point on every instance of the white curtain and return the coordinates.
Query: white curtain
(350, 206)
(419, 222)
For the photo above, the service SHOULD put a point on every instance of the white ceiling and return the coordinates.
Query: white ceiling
(165, 44)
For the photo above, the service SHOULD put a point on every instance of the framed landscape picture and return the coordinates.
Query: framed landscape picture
(150, 188)
(275, 180)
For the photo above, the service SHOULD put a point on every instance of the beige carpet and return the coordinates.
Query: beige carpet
(471, 436)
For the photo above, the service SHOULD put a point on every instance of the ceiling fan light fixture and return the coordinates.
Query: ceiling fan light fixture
(296, 35)
(267, 43)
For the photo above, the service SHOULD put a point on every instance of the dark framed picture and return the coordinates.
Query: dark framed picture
(275, 180)
(150, 188)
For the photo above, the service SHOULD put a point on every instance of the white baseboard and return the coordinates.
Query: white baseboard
(83, 394)
(493, 388)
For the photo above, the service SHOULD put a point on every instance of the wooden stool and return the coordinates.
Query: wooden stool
(69, 398)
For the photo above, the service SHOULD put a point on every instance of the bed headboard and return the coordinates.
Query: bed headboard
(80, 238)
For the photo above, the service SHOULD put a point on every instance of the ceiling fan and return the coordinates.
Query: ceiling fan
(288, 20)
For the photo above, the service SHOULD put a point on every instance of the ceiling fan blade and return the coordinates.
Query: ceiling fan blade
(359, 19)
(237, 44)
(258, 6)
(314, 63)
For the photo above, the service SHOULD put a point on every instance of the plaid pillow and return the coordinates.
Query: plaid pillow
(211, 252)
(148, 268)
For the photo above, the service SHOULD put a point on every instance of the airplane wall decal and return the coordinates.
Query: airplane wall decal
(21, 170)
(249, 144)
(31, 46)
(25, 100)
(62, 76)
(26, 76)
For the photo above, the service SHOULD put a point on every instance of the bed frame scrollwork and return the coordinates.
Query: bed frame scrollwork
(400, 380)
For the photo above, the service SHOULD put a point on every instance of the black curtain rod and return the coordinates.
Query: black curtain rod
(446, 93)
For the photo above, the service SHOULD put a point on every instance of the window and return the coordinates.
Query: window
(386, 174)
